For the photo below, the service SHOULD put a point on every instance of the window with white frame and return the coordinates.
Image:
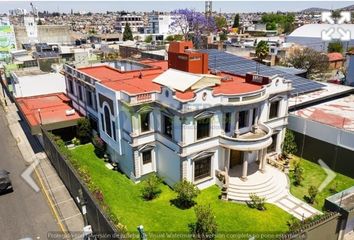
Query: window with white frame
(202, 168)
(167, 125)
(203, 128)
(147, 156)
(107, 118)
(243, 119)
(145, 121)
(274, 109)
(227, 122)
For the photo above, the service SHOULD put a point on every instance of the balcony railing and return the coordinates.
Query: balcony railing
(260, 137)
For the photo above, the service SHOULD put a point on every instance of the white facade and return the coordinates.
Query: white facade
(160, 24)
(135, 22)
(37, 84)
(193, 140)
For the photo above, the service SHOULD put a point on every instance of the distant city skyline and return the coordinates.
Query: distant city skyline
(139, 6)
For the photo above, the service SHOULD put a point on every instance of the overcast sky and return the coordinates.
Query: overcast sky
(229, 6)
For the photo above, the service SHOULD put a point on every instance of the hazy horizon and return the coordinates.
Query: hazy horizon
(140, 6)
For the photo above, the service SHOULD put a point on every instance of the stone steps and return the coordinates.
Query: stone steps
(272, 187)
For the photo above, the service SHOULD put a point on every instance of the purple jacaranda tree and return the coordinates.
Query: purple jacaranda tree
(192, 24)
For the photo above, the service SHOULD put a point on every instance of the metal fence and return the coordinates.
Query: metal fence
(326, 227)
(101, 225)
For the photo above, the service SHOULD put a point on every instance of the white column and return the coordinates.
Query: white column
(264, 160)
(237, 132)
(244, 169)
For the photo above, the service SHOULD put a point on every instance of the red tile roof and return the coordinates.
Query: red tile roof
(140, 81)
(52, 109)
(335, 56)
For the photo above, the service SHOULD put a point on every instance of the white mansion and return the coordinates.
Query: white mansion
(181, 119)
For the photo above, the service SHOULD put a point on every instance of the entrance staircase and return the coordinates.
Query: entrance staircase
(272, 184)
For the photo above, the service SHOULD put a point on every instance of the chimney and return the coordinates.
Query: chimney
(182, 56)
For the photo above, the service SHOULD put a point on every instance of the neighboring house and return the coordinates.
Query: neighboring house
(136, 23)
(181, 124)
(336, 60)
(33, 82)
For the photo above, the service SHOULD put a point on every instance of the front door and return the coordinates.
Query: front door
(236, 158)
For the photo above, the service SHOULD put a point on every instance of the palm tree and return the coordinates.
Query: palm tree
(262, 50)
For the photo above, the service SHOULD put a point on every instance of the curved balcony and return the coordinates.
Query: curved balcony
(259, 138)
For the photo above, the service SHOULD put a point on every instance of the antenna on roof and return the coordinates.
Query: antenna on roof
(140, 75)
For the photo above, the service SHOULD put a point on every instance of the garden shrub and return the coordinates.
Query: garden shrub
(186, 192)
(205, 226)
(151, 187)
(298, 173)
(84, 130)
(257, 202)
(100, 146)
(312, 194)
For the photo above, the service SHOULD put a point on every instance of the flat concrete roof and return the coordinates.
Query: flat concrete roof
(329, 91)
(338, 113)
(50, 110)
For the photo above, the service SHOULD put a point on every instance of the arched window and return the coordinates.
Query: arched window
(107, 118)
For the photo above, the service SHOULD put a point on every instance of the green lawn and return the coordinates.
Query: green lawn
(124, 198)
(315, 175)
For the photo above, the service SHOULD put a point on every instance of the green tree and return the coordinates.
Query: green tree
(262, 50)
(151, 188)
(84, 130)
(127, 34)
(271, 26)
(223, 36)
(186, 192)
(335, 47)
(284, 21)
(310, 60)
(148, 39)
(312, 194)
(289, 145)
(236, 23)
(298, 173)
(178, 37)
(169, 38)
(205, 227)
(220, 22)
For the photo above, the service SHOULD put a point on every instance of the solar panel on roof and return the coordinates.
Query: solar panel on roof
(238, 65)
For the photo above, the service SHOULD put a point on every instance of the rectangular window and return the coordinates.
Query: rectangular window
(273, 146)
(202, 168)
(89, 98)
(242, 119)
(114, 131)
(167, 125)
(70, 86)
(227, 122)
(274, 109)
(102, 123)
(80, 92)
(254, 116)
(203, 128)
(145, 121)
(147, 156)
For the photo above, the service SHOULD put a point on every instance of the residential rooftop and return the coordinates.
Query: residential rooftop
(142, 81)
(329, 90)
(51, 110)
(337, 113)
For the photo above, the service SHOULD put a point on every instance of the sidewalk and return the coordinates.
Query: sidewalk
(62, 204)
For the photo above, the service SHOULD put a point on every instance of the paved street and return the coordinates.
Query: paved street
(23, 213)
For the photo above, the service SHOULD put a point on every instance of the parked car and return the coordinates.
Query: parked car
(5, 182)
